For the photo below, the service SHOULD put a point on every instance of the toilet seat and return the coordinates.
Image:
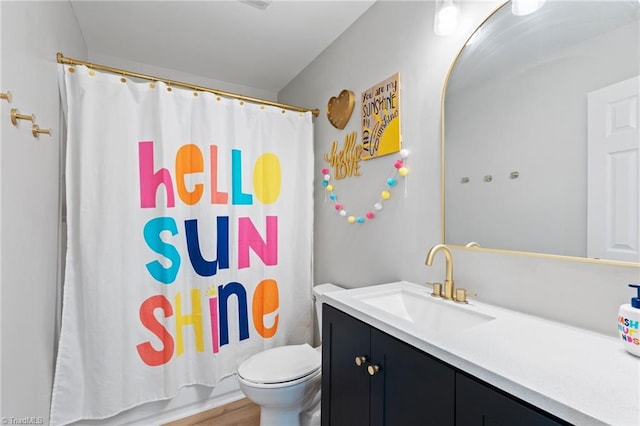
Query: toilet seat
(282, 364)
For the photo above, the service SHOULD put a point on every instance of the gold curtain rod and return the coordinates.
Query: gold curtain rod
(63, 60)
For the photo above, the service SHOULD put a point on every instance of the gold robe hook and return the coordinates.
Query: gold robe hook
(15, 116)
(7, 96)
(36, 130)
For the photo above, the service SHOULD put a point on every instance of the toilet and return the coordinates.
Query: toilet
(285, 381)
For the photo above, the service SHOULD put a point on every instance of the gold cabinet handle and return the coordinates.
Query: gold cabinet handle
(373, 369)
(360, 360)
(15, 116)
(37, 131)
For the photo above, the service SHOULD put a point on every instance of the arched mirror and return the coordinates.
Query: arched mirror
(527, 124)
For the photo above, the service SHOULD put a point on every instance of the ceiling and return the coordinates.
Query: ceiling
(228, 40)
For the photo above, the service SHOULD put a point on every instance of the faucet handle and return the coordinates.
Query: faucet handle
(461, 295)
(436, 289)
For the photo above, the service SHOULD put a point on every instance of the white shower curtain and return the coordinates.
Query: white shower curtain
(189, 240)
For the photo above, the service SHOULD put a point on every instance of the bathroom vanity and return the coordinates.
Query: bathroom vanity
(390, 378)
(394, 355)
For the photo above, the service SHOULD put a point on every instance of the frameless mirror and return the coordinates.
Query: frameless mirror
(527, 111)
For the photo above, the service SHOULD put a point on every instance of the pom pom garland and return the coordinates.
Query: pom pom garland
(385, 194)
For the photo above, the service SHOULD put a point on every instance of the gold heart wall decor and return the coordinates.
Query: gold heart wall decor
(339, 109)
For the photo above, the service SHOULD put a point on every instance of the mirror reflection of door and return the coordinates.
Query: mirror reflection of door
(515, 104)
(613, 209)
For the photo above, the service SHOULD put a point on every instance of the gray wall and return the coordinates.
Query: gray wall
(397, 36)
(31, 34)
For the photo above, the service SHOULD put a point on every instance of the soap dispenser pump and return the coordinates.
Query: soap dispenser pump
(629, 323)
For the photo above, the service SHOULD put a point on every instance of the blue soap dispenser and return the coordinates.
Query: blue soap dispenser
(629, 323)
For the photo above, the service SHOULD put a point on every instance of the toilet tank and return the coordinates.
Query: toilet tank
(318, 296)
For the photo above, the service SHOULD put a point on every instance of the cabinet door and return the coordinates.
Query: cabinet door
(479, 405)
(411, 387)
(345, 386)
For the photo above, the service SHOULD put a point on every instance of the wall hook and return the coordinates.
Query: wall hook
(8, 96)
(36, 130)
(514, 175)
(15, 116)
(464, 179)
(488, 178)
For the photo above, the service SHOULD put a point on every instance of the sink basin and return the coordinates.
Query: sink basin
(424, 311)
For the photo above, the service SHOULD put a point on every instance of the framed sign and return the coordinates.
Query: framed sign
(381, 118)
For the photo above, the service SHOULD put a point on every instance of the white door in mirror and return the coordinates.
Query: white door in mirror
(613, 199)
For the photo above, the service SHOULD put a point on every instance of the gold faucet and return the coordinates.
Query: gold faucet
(448, 283)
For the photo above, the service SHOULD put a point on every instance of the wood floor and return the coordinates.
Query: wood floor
(239, 413)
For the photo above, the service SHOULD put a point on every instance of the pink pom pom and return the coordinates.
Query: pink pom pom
(324, 171)
(398, 164)
(338, 206)
(370, 215)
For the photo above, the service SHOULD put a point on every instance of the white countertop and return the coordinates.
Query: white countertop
(580, 376)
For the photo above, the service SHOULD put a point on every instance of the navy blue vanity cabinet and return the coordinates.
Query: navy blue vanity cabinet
(480, 404)
(372, 378)
(345, 386)
(394, 383)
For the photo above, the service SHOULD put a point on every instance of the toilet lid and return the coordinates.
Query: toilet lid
(281, 364)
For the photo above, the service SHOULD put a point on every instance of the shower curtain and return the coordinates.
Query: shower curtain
(189, 239)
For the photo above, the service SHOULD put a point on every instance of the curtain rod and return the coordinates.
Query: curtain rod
(61, 59)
